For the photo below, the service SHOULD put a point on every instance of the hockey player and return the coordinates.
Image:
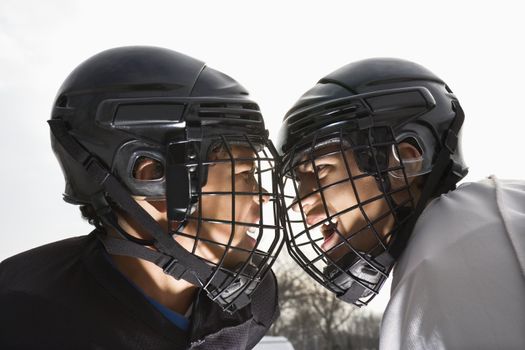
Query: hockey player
(371, 158)
(167, 159)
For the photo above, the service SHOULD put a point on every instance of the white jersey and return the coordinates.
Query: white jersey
(460, 283)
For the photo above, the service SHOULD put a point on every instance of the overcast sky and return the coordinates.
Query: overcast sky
(276, 49)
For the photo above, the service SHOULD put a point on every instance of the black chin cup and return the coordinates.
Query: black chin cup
(239, 287)
(356, 277)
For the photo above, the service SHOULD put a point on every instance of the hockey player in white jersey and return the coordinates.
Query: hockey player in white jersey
(371, 159)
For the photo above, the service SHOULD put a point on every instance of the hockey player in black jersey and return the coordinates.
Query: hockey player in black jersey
(167, 158)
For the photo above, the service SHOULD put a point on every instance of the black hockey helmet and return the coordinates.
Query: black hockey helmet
(368, 107)
(132, 103)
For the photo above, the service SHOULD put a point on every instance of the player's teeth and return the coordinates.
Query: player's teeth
(330, 222)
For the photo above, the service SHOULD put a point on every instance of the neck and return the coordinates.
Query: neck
(176, 295)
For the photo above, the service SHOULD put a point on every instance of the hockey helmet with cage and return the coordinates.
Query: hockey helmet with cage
(368, 107)
(127, 104)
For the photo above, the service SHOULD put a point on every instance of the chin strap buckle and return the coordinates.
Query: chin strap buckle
(174, 269)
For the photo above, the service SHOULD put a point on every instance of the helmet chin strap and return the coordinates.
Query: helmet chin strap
(169, 254)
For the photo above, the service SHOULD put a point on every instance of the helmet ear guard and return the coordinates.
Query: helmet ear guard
(441, 179)
(411, 155)
(125, 164)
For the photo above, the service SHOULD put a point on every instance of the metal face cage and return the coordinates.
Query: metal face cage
(345, 195)
(232, 220)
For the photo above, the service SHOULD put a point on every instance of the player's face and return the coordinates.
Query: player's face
(339, 198)
(218, 208)
(210, 236)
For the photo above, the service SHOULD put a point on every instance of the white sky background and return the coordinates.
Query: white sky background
(277, 50)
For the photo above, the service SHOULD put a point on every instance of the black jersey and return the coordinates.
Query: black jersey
(66, 295)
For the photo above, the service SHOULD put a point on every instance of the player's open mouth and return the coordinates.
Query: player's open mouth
(252, 233)
(329, 231)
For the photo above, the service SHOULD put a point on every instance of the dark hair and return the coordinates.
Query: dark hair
(89, 214)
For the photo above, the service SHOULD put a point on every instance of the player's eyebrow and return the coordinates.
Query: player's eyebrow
(323, 153)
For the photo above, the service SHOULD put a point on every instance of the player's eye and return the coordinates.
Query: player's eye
(321, 170)
(245, 168)
(249, 172)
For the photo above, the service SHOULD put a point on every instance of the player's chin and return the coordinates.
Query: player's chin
(236, 257)
(338, 249)
(247, 242)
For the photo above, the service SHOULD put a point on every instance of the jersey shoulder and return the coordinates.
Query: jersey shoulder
(460, 264)
(34, 268)
(469, 217)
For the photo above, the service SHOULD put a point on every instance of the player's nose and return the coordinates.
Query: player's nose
(262, 197)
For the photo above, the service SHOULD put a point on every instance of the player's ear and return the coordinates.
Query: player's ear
(412, 158)
(147, 169)
(411, 155)
(408, 153)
